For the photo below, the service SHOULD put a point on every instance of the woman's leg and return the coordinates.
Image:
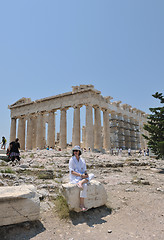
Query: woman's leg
(80, 183)
(83, 195)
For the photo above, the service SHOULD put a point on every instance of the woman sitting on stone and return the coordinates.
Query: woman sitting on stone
(78, 174)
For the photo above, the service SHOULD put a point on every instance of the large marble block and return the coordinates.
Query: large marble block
(18, 204)
(96, 195)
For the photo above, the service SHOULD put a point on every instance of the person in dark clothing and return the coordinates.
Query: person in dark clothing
(14, 150)
(3, 146)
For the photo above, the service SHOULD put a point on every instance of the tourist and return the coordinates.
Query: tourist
(147, 152)
(78, 174)
(144, 152)
(111, 151)
(3, 143)
(140, 152)
(47, 148)
(14, 151)
(117, 151)
(120, 151)
(129, 152)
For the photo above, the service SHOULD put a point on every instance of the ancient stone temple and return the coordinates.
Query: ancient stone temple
(121, 127)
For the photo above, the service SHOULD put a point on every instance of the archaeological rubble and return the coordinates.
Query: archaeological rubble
(122, 125)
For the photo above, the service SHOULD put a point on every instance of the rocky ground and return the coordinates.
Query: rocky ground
(135, 188)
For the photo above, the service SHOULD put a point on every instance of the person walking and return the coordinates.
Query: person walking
(14, 151)
(3, 143)
(78, 174)
(129, 152)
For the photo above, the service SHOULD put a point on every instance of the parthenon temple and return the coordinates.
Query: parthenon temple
(120, 127)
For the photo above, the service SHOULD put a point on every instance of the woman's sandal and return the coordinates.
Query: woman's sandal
(83, 209)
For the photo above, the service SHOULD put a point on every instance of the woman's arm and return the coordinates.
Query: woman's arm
(76, 174)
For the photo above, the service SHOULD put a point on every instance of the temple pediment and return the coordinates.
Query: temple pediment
(21, 101)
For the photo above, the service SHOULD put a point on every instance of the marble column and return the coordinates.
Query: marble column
(106, 129)
(114, 130)
(21, 132)
(89, 128)
(84, 137)
(51, 130)
(127, 133)
(63, 129)
(13, 130)
(121, 133)
(76, 127)
(29, 134)
(40, 132)
(132, 134)
(97, 129)
(34, 129)
(137, 135)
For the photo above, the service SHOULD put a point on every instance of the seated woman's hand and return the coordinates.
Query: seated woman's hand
(84, 175)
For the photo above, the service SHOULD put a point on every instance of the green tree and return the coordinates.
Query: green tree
(155, 128)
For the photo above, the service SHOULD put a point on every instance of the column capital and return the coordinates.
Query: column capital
(51, 111)
(21, 117)
(40, 113)
(64, 108)
(96, 106)
(88, 104)
(77, 106)
(105, 110)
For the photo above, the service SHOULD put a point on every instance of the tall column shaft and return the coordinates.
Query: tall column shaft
(63, 129)
(89, 128)
(51, 130)
(132, 134)
(97, 129)
(29, 134)
(76, 127)
(121, 134)
(84, 137)
(21, 132)
(34, 129)
(114, 130)
(40, 132)
(13, 130)
(137, 135)
(127, 133)
(106, 129)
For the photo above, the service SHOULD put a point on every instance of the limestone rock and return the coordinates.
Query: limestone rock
(18, 204)
(96, 195)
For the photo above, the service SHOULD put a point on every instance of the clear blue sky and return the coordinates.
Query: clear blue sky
(48, 46)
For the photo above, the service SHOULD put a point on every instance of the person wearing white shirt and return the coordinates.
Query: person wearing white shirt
(78, 174)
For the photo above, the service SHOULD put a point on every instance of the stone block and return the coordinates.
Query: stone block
(96, 195)
(18, 204)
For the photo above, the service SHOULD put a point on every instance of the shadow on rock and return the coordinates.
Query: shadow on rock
(21, 231)
(91, 217)
(161, 171)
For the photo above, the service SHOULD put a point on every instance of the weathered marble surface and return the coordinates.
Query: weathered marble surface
(18, 204)
(96, 195)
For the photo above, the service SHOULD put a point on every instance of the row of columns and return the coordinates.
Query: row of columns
(121, 131)
(125, 132)
(35, 136)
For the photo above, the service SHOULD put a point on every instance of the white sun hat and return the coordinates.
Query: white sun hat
(77, 148)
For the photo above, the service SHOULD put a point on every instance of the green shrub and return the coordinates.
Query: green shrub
(7, 170)
(61, 207)
(32, 155)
